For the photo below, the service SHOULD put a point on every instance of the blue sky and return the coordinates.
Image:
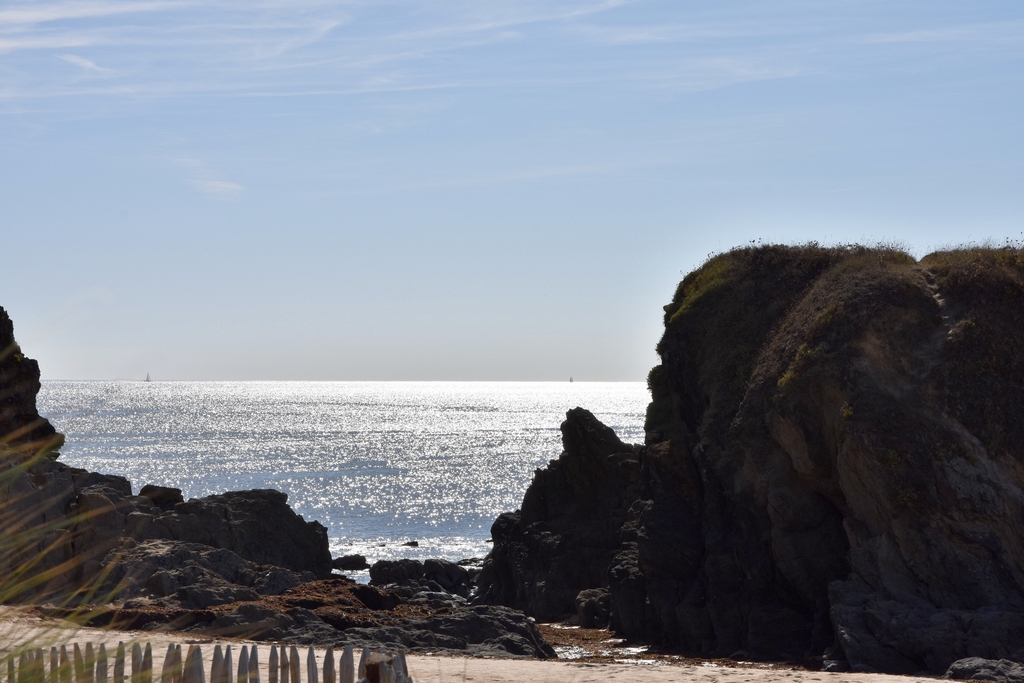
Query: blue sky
(306, 189)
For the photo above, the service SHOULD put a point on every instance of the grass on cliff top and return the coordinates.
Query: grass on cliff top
(983, 382)
(777, 311)
(719, 321)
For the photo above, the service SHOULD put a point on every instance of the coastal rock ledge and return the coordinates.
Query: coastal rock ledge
(833, 468)
(81, 545)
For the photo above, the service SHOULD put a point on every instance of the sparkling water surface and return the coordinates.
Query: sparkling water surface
(378, 463)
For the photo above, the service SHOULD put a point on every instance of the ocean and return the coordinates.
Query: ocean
(378, 463)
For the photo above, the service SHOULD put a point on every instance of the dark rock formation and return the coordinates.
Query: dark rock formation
(188, 575)
(352, 563)
(480, 630)
(593, 608)
(22, 430)
(164, 497)
(833, 466)
(565, 535)
(102, 518)
(199, 582)
(240, 563)
(431, 580)
(978, 669)
(395, 571)
(258, 525)
(70, 524)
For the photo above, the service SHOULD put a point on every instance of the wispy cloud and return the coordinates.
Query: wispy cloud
(43, 12)
(988, 32)
(87, 64)
(287, 48)
(220, 189)
(673, 33)
(718, 72)
(45, 42)
(205, 180)
(234, 47)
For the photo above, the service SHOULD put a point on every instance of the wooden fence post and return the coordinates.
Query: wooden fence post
(64, 674)
(136, 663)
(329, 665)
(243, 665)
(217, 665)
(147, 664)
(90, 663)
(311, 674)
(118, 663)
(79, 664)
(254, 665)
(347, 666)
(101, 664)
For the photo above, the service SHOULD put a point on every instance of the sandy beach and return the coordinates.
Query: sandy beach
(18, 628)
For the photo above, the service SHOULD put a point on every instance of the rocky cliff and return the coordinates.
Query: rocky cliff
(834, 466)
(65, 530)
(21, 428)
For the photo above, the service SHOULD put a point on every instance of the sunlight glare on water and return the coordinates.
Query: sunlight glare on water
(378, 463)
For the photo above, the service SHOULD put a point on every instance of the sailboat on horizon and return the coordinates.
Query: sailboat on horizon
(147, 378)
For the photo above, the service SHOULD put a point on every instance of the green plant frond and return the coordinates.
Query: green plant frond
(9, 350)
(37, 564)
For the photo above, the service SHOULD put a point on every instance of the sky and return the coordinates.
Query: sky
(448, 190)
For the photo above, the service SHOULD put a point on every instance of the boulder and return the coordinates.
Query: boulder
(593, 607)
(978, 669)
(395, 571)
(275, 581)
(187, 575)
(257, 525)
(164, 497)
(448, 574)
(350, 563)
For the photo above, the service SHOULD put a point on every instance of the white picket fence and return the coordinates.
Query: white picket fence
(92, 666)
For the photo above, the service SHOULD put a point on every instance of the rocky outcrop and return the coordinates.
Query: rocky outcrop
(480, 630)
(188, 575)
(258, 525)
(429, 581)
(832, 468)
(22, 430)
(64, 526)
(242, 563)
(104, 520)
(564, 537)
(197, 583)
(978, 669)
(352, 563)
